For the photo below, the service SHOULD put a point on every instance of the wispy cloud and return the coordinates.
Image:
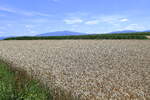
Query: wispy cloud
(29, 26)
(87, 19)
(106, 19)
(7, 9)
(113, 19)
(124, 20)
(22, 12)
(32, 13)
(73, 21)
(30, 29)
(92, 22)
(1, 32)
(134, 27)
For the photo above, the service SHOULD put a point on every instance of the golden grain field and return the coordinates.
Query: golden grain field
(89, 69)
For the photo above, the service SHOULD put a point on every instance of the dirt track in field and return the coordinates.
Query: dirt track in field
(93, 69)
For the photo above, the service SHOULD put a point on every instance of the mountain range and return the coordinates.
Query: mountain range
(1, 38)
(61, 33)
(125, 31)
(4, 37)
(68, 33)
(57, 33)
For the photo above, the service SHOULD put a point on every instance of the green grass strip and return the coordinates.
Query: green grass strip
(15, 86)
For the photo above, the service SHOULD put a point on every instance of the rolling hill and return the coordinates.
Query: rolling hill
(124, 31)
(4, 37)
(61, 33)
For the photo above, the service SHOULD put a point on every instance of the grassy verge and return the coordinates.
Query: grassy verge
(16, 86)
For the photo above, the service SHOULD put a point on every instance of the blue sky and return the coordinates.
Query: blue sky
(30, 17)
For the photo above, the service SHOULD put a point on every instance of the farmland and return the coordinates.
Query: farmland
(86, 69)
(138, 35)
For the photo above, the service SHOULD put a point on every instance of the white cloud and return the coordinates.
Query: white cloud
(73, 21)
(32, 13)
(134, 27)
(9, 25)
(124, 20)
(22, 12)
(109, 19)
(91, 19)
(32, 32)
(1, 32)
(7, 9)
(29, 26)
(112, 19)
(92, 22)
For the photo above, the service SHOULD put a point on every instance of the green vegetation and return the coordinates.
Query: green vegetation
(139, 35)
(15, 85)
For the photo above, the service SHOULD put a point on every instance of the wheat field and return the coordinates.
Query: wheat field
(87, 69)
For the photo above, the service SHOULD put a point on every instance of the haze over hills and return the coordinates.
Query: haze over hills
(57, 33)
(1, 38)
(4, 37)
(147, 31)
(128, 31)
(69, 33)
(62, 33)
(125, 31)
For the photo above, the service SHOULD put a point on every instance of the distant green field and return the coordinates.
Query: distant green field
(138, 35)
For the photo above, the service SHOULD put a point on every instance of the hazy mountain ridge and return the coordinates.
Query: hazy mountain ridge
(4, 37)
(128, 31)
(61, 33)
(69, 33)
(125, 31)
(1, 38)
